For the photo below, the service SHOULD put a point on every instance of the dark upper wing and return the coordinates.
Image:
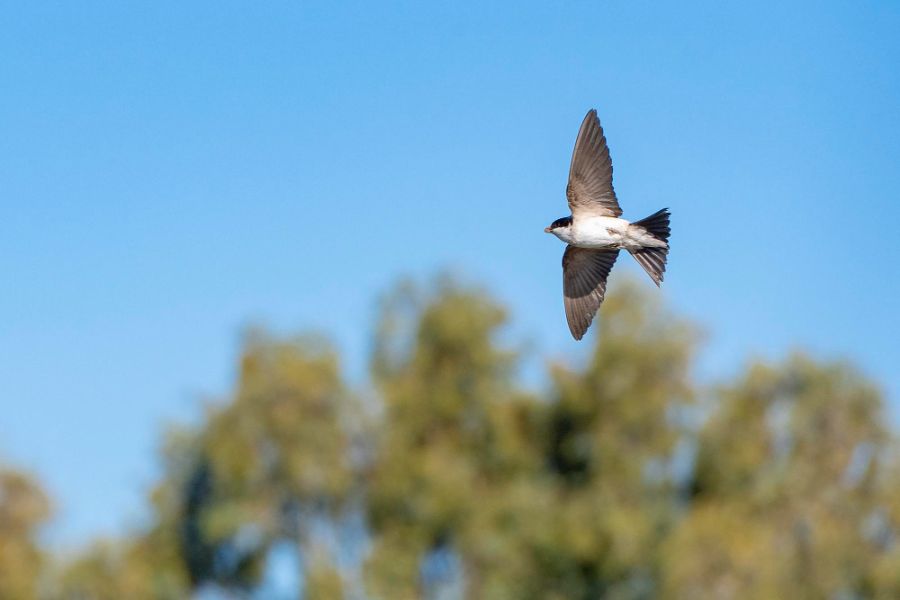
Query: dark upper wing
(584, 285)
(590, 190)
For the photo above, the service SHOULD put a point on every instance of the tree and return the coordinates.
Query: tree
(613, 483)
(134, 568)
(263, 466)
(786, 487)
(441, 447)
(611, 435)
(24, 507)
(565, 498)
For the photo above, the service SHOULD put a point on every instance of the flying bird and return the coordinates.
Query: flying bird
(595, 232)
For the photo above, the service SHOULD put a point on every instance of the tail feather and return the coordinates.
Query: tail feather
(652, 258)
(657, 224)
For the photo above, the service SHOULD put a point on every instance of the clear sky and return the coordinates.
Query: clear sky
(172, 171)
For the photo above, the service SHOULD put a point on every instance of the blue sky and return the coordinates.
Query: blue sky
(171, 172)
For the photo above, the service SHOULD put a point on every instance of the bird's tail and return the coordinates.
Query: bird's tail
(653, 257)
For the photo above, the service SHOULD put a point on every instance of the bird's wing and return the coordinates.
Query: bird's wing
(590, 190)
(584, 285)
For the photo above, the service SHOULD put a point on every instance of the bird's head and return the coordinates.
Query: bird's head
(561, 228)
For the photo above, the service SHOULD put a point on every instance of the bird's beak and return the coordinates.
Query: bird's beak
(546, 230)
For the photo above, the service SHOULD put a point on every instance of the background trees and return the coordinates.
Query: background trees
(23, 508)
(622, 480)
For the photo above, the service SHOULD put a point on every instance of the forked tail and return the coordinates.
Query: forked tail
(653, 258)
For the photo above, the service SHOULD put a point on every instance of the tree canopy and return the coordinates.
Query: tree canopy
(446, 477)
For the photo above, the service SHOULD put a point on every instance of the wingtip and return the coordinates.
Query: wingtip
(575, 333)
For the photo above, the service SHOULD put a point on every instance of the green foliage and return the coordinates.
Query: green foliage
(613, 429)
(23, 508)
(282, 435)
(323, 580)
(451, 440)
(135, 569)
(262, 464)
(788, 489)
(622, 480)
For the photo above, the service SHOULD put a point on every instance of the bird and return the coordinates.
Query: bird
(595, 232)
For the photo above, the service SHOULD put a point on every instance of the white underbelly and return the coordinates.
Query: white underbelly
(600, 232)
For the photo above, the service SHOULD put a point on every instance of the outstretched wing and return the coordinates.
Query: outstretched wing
(584, 285)
(590, 190)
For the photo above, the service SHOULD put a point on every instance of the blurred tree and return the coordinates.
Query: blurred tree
(147, 564)
(441, 447)
(612, 431)
(614, 484)
(882, 530)
(266, 465)
(323, 581)
(785, 489)
(23, 508)
(109, 570)
(564, 499)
